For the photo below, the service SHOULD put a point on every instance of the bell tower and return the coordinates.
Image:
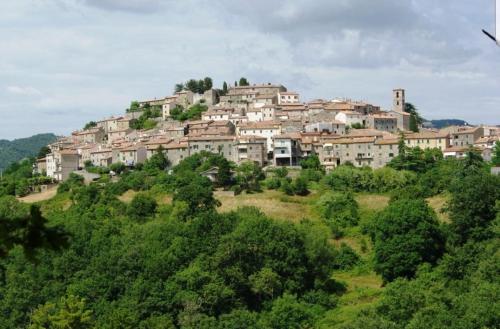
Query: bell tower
(398, 100)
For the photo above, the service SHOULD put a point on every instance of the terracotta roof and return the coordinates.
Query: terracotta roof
(359, 140)
(104, 150)
(426, 135)
(119, 130)
(174, 145)
(458, 149)
(264, 96)
(389, 141)
(466, 131)
(250, 137)
(257, 86)
(288, 136)
(210, 138)
(365, 132)
(68, 152)
(260, 124)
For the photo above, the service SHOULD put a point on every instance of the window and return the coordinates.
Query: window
(391, 155)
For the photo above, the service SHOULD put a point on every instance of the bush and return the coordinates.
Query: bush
(339, 208)
(71, 183)
(141, 207)
(300, 186)
(286, 187)
(311, 175)
(273, 183)
(348, 178)
(406, 234)
(345, 257)
(281, 172)
(117, 167)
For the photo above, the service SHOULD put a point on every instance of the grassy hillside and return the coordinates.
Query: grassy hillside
(12, 151)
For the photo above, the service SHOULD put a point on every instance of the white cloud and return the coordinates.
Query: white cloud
(24, 90)
(84, 59)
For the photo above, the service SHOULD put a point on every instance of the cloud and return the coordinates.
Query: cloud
(88, 59)
(133, 6)
(24, 91)
(354, 33)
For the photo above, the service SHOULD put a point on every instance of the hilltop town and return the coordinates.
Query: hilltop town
(263, 123)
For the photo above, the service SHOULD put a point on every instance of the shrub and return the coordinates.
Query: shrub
(117, 167)
(300, 186)
(281, 172)
(406, 234)
(141, 207)
(72, 182)
(273, 183)
(345, 257)
(339, 209)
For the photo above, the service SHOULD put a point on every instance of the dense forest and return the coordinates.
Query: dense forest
(161, 247)
(13, 151)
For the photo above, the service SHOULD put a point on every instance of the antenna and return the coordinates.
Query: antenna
(495, 37)
(497, 17)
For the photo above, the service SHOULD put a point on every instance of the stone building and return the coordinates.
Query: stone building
(250, 148)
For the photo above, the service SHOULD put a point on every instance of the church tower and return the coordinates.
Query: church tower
(398, 100)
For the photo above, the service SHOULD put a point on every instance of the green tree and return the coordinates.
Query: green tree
(472, 204)
(224, 88)
(224, 175)
(22, 188)
(410, 108)
(142, 207)
(207, 83)
(90, 124)
(339, 209)
(23, 225)
(406, 234)
(178, 87)
(281, 172)
(117, 167)
(192, 85)
(44, 150)
(495, 158)
(134, 107)
(266, 283)
(248, 176)
(158, 161)
(311, 162)
(300, 186)
(413, 123)
(69, 313)
(288, 313)
(243, 82)
(196, 192)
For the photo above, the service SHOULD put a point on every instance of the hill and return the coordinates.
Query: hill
(17, 149)
(447, 122)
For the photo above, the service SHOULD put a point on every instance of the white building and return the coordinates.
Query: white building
(267, 129)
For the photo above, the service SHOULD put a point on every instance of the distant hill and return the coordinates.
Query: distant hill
(18, 149)
(447, 122)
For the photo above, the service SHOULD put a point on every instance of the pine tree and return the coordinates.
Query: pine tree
(224, 88)
(413, 123)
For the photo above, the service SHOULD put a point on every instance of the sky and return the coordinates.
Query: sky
(66, 62)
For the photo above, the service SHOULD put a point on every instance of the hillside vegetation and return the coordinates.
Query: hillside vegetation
(18, 149)
(353, 248)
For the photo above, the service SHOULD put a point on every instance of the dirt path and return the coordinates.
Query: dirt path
(35, 197)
